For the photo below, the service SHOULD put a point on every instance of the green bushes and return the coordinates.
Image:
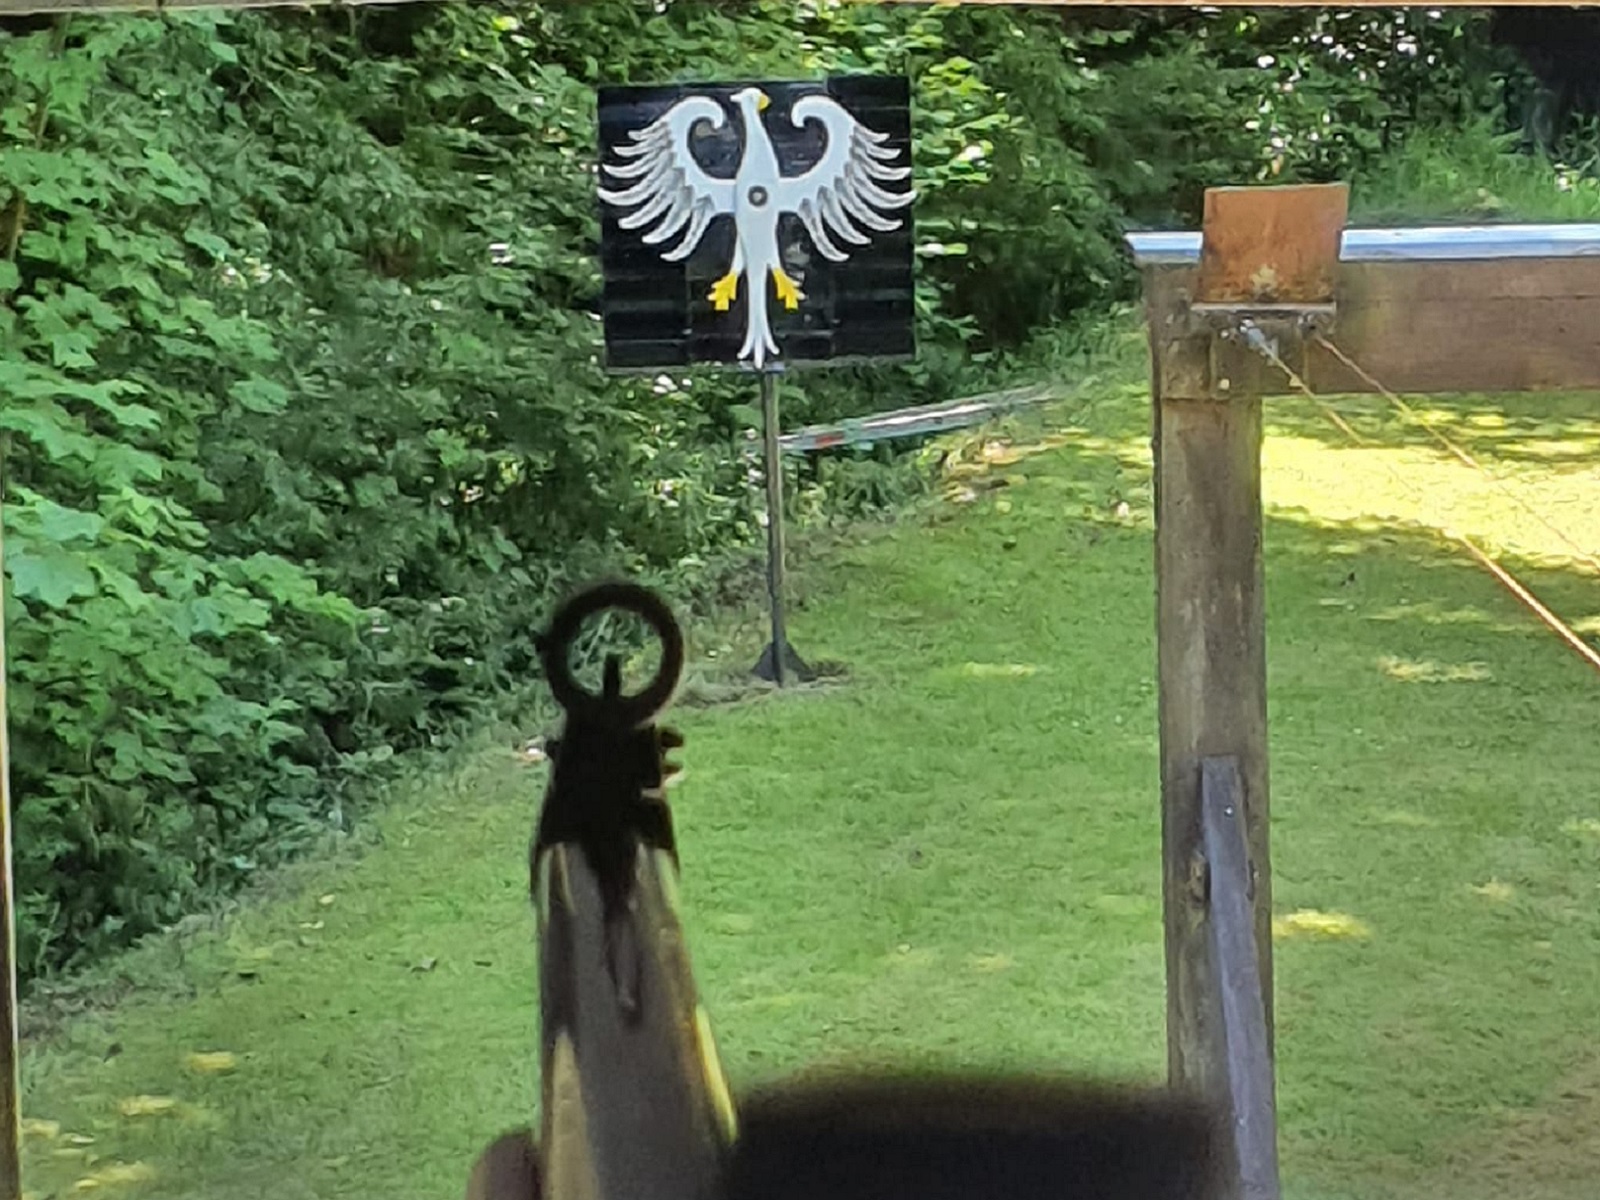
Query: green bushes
(304, 420)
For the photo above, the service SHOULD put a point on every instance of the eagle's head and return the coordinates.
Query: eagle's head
(752, 99)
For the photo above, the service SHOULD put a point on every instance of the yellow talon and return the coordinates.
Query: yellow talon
(724, 290)
(788, 291)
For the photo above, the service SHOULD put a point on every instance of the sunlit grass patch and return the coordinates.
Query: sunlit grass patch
(1495, 890)
(1311, 923)
(211, 1062)
(114, 1175)
(1427, 671)
(977, 670)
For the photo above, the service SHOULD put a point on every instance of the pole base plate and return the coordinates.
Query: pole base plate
(795, 668)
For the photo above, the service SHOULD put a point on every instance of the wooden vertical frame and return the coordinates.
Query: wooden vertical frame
(1436, 310)
(1211, 663)
(1263, 249)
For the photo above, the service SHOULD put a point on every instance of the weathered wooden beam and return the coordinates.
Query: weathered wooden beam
(1426, 311)
(1211, 663)
(1439, 328)
(1266, 250)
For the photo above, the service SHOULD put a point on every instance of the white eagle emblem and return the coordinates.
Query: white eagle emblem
(838, 198)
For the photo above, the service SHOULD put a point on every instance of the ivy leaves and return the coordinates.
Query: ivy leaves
(139, 731)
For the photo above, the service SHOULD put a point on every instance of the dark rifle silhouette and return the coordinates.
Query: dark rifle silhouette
(635, 1105)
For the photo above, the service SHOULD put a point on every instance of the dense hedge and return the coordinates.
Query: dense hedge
(303, 419)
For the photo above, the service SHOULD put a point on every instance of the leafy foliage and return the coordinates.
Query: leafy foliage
(305, 423)
(150, 719)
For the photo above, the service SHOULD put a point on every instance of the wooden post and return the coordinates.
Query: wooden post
(1211, 663)
(1272, 254)
(1275, 295)
(10, 1065)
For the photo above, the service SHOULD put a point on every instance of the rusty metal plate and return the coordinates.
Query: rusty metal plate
(1272, 245)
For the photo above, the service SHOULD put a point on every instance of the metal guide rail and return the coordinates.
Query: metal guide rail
(919, 421)
(1442, 243)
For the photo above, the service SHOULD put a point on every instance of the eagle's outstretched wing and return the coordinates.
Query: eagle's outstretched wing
(662, 175)
(841, 194)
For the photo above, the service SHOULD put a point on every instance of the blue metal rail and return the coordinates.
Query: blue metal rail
(1436, 243)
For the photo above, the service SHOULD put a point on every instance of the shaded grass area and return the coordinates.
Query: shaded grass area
(953, 858)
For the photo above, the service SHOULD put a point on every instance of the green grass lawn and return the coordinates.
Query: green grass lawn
(953, 856)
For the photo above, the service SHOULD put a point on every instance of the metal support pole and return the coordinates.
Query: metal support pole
(778, 661)
(774, 468)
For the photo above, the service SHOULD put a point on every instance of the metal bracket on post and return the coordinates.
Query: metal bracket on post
(1270, 248)
(1287, 322)
(1239, 338)
(1247, 1089)
(1266, 286)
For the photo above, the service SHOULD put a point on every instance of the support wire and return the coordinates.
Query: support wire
(1263, 345)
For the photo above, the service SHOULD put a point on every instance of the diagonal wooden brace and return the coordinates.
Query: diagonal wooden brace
(1245, 1089)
